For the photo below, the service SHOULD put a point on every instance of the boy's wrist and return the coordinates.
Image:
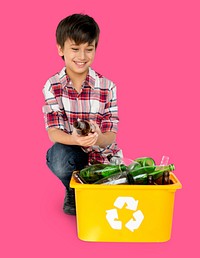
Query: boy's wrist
(105, 139)
(101, 140)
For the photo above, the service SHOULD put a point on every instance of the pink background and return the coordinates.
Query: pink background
(150, 49)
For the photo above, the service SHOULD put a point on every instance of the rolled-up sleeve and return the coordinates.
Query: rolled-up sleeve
(53, 113)
(110, 118)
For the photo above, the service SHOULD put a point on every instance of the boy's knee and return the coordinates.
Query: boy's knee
(63, 159)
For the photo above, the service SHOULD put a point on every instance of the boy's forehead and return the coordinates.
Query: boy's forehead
(71, 42)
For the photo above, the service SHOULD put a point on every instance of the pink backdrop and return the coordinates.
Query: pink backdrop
(150, 49)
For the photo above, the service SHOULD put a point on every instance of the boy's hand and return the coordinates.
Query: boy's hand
(96, 127)
(103, 139)
(85, 141)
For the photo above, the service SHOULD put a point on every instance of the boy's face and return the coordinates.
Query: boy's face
(77, 58)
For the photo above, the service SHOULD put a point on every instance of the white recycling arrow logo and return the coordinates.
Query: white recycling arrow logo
(131, 204)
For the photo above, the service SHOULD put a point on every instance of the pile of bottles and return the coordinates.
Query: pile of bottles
(141, 171)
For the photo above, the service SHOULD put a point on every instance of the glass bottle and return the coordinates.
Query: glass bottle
(166, 178)
(162, 169)
(133, 166)
(164, 161)
(119, 178)
(145, 161)
(83, 127)
(150, 180)
(96, 172)
(151, 169)
(139, 176)
(114, 160)
(78, 178)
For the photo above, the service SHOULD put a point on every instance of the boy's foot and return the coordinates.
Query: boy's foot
(69, 206)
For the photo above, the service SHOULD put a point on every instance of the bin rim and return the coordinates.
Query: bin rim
(176, 185)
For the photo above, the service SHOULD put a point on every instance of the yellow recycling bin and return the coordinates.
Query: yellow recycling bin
(125, 213)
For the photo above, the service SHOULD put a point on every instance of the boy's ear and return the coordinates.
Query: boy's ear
(60, 51)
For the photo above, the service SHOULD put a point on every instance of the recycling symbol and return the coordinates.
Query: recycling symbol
(131, 204)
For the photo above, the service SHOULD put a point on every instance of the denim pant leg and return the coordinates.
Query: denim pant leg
(63, 159)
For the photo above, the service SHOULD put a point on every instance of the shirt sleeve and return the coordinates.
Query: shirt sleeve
(110, 117)
(53, 112)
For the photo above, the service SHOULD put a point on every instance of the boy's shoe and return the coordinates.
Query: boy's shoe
(69, 206)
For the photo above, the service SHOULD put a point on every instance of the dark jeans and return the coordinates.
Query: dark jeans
(62, 160)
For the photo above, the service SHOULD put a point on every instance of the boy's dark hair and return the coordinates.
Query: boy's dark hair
(80, 28)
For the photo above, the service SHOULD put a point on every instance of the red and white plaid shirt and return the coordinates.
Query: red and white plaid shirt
(96, 101)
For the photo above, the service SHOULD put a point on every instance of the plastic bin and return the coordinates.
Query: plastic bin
(125, 213)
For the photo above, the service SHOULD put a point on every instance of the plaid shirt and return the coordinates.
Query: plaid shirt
(96, 101)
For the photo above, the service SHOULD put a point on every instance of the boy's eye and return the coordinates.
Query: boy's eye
(90, 49)
(75, 49)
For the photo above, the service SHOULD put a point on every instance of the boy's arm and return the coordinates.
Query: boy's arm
(108, 128)
(104, 139)
(57, 135)
(97, 138)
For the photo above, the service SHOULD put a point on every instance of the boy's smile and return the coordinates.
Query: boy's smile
(78, 58)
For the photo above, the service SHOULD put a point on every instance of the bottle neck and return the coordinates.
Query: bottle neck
(169, 167)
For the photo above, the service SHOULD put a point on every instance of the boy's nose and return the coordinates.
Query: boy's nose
(81, 55)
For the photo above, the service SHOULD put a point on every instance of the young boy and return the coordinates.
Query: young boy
(78, 92)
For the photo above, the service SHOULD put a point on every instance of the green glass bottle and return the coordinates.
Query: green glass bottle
(140, 179)
(140, 170)
(142, 164)
(159, 170)
(139, 176)
(150, 169)
(96, 172)
(145, 161)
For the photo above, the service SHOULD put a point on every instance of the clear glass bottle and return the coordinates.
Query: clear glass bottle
(119, 178)
(164, 161)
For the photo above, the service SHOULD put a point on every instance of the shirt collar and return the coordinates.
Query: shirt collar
(65, 80)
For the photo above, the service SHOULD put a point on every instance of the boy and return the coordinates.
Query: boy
(78, 92)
